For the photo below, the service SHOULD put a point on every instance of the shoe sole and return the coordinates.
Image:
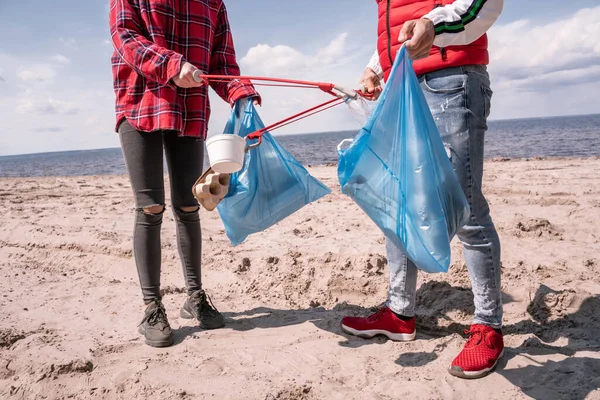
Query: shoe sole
(158, 343)
(475, 374)
(396, 337)
(167, 343)
(187, 315)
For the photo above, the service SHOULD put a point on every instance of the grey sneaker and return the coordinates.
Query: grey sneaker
(155, 326)
(199, 306)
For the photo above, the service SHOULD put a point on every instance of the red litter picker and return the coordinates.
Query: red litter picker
(226, 152)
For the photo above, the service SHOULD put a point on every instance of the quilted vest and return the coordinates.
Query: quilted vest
(394, 13)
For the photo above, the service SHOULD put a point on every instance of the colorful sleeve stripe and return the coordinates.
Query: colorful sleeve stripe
(466, 18)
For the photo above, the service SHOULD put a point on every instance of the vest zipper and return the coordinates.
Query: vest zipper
(389, 32)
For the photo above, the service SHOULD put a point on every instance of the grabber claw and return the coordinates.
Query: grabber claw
(346, 93)
(254, 135)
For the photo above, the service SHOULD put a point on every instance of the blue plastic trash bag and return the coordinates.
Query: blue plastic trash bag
(397, 170)
(271, 186)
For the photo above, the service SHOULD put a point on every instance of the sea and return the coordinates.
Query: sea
(572, 136)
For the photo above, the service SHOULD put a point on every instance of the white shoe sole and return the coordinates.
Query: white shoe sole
(397, 337)
(474, 374)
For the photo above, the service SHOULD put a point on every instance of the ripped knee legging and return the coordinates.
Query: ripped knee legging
(143, 154)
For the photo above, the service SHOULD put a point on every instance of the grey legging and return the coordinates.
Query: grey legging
(143, 153)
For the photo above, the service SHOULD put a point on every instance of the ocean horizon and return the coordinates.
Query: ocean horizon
(562, 136)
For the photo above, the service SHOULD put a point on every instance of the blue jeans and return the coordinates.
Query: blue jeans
(459, 99)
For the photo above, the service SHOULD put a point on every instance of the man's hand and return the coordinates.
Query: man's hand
(421, 33)
(185, 79)
(370, 83)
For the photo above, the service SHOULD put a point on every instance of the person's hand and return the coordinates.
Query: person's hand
(185, 79)
(256, 100)
(421, 33)
(371, 83)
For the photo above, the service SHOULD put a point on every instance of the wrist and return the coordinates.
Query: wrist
(174, 67)
(375, 70)
(429, 20)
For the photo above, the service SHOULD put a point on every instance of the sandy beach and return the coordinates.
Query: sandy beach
(71, 302)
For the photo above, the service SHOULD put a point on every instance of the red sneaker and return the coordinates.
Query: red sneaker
(480, 354)
(383, 322)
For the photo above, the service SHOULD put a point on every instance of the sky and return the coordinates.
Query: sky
(56, 82)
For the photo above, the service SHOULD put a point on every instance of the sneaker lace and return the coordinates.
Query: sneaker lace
(382, 311)
(157, 316)
(205, 305)
(476, 336)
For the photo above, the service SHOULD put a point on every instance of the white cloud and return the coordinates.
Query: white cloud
(60, 59)
(50, 129)
(553, 80)
(537, 69)
(270, 60)
(285, 61)
(522, 49)
(54, 108)
(46, 72)
(341, 61)
(74, 119)
(546, 69)
(69, 43)
(334, 51)
(42, 105)
(38, 72)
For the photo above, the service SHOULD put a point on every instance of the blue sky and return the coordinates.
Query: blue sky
(56, 89)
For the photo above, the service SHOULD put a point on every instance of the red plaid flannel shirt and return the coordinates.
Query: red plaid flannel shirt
(151, 39)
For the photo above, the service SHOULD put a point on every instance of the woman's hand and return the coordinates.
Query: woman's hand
(185, 79)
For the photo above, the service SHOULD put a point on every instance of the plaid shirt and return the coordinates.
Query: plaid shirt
(151, 39)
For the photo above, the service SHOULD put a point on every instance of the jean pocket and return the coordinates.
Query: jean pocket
(445, 84)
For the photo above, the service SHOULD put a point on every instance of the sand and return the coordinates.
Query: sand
(71, 303)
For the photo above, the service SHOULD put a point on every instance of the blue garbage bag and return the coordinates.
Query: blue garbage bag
(271, 186)
(398, 171)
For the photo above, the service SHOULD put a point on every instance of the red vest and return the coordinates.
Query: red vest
(394, 13)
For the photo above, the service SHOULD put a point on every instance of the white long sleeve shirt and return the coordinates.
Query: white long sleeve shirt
(459, 23)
